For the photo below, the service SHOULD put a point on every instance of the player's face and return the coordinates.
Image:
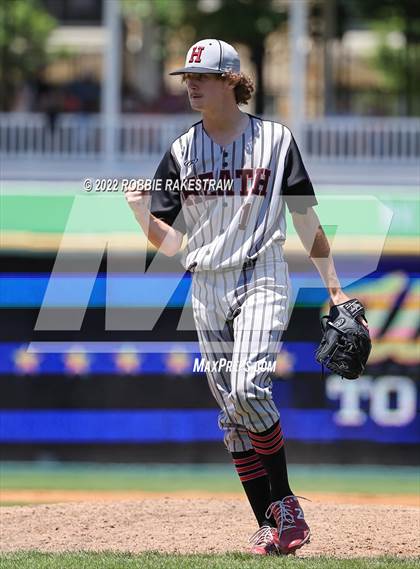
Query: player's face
(205, 91)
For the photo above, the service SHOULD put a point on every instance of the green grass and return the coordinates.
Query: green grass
(31, 560)
(214, 478)
(76, 211)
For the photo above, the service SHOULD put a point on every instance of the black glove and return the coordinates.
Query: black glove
(345, 344)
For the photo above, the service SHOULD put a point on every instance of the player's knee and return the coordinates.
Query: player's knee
(242, 400)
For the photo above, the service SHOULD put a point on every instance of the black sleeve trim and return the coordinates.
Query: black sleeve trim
(166, 204)
(297, 187)
(302, 199)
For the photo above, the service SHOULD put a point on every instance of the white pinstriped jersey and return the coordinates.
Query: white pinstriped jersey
(226, 226)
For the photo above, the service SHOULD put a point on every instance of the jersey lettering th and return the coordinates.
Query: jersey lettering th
(235, 209)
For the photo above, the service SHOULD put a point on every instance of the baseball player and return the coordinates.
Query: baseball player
(224, 186)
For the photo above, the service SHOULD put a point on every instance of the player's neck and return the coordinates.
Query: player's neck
(225, 125)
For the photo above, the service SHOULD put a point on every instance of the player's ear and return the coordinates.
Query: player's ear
(231, 80)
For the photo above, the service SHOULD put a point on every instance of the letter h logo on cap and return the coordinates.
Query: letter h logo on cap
(196, 54)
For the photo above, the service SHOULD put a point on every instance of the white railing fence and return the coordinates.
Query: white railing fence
(32, 135)
(83, 136)
(362, 139)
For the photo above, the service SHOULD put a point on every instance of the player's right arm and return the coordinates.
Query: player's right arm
(160, 234)
(159, 212)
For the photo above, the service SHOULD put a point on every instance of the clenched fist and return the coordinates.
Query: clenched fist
(138, 200)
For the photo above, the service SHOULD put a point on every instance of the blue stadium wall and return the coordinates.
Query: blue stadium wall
(134, 396)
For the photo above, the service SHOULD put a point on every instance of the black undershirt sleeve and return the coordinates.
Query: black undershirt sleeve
(166, 204)
(297, 187)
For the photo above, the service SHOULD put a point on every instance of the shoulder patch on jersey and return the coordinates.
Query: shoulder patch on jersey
(181, 144)
(191, 162)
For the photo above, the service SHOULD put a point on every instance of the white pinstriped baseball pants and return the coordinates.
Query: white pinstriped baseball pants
(240, 315)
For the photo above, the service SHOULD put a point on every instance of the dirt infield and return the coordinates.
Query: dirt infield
(203, 525)
(51, 496)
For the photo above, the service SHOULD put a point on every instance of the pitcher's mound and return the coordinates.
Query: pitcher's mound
(210, 525)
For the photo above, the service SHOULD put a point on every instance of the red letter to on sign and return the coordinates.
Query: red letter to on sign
(196, 55)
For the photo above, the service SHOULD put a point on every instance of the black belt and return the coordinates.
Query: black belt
(248, 264)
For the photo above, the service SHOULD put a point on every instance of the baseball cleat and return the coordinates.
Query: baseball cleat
(293, 531)
(265, 541)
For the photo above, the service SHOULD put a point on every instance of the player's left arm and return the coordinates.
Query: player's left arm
(300, 197)
(314, 240)
(310, 232)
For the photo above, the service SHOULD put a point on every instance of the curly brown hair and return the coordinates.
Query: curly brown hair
(244, 86)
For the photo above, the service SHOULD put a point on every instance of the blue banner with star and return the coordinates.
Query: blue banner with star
(98, 358)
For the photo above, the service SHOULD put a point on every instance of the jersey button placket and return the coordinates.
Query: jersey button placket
(225, 164)
(225, 155)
